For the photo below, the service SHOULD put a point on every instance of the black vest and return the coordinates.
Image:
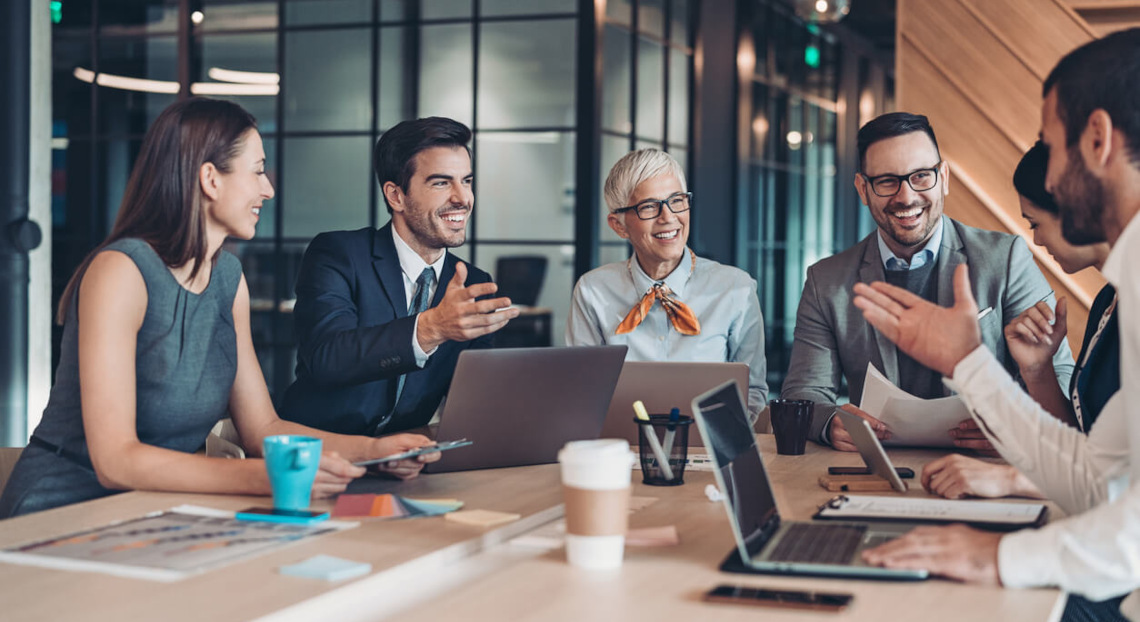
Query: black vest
(914, 378)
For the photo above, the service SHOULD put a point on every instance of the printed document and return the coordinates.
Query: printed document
(974, 512)
(913, 421)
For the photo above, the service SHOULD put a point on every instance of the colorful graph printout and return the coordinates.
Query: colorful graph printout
(165, 546)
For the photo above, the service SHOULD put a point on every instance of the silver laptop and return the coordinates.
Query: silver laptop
(871, 449)
(662, 387)
(521, 405)
(765, 543)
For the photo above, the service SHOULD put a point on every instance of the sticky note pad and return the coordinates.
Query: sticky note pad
(327, 567)
(482, 518)
(383, 506)
(353, 505)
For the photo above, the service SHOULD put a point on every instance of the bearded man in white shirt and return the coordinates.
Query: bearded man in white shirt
(1091, 124)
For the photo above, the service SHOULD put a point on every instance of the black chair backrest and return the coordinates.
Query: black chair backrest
(520, 278)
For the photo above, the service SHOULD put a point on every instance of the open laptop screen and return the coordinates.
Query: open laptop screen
(733, 448)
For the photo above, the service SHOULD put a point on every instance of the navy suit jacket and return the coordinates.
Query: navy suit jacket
(355, 338)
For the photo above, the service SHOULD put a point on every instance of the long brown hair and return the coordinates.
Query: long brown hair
(163, 200)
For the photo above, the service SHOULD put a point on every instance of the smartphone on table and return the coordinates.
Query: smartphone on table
(903, 472)
(418, 451)
(274, 515)
(789, 599)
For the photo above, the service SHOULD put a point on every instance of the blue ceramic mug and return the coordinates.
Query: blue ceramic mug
(292, 463)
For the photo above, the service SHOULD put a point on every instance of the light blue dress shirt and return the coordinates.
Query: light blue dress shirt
(928, 254)
(722, 297)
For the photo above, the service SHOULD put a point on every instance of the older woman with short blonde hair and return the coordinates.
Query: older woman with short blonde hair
(664, 302)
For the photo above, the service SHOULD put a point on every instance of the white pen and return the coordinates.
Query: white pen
(654, 444)
(984, 312)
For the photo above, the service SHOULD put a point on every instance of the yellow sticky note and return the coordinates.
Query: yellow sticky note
(482, 518)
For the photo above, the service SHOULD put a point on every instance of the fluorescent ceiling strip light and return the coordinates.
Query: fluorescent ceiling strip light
(167, 87)
(127, 84)
(225, 88)
(243, 77)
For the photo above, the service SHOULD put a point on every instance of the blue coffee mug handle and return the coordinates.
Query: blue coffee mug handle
(301, 458)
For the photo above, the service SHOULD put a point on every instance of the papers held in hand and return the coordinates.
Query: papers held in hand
(998, 515)
(913, 421)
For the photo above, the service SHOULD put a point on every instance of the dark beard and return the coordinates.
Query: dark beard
(1081, 201)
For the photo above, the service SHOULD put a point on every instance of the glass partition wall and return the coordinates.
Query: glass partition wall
(801, 104)
(555, 90)
(325, 78)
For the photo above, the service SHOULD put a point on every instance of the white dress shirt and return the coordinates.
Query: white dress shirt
(722, 297)
(1094, 552)
(411, 265)
(927, 254)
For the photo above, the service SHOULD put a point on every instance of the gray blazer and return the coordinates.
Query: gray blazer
(832, 339)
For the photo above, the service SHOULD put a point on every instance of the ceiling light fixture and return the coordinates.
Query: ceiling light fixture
(822, 10)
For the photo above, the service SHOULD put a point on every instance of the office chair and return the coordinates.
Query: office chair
(520, 277)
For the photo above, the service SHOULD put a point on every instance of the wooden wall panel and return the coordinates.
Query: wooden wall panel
(970, 210)
(977, 64)
(965, 135)
(975, 67)
(1037, 33)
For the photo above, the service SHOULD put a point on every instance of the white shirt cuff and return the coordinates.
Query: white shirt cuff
(421, 356)
(968, 368)
(1029, 559)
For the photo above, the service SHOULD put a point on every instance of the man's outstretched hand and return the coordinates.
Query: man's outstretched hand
(460, 316)
(938, 337)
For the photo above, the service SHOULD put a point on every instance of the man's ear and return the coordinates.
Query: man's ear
(1097, 142)
(618, 225)
(395, 196)
(209, 178)
(944, 172)
(861, 188)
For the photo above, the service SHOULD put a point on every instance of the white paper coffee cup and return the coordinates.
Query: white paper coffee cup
(595, 487)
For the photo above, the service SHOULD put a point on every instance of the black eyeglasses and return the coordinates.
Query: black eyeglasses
(651, 208)
(919, 180)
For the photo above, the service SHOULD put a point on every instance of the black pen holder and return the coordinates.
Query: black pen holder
(673, 438)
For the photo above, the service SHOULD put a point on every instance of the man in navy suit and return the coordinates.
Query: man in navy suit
(382, 314)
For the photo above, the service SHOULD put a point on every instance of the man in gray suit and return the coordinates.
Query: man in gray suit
(904, 181)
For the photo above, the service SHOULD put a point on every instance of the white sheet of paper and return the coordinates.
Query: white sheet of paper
(946, 510)
(913, 421)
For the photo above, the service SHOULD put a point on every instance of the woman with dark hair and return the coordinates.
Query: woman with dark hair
(156, 345)
(1033, 337)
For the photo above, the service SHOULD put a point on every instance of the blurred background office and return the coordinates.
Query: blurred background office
(555, 90)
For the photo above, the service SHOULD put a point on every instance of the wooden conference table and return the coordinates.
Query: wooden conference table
(431, 569)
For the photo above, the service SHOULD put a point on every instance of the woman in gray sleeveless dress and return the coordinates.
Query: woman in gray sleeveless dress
(157, 347)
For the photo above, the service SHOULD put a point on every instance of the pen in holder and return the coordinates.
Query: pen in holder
(676, 453)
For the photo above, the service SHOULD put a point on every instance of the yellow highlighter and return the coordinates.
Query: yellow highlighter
(654, 444)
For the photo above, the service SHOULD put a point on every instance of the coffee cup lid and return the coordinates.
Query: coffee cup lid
(593, 449)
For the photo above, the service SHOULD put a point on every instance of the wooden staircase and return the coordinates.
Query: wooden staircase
(976, 67)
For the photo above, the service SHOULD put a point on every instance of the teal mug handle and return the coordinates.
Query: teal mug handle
(301, 457)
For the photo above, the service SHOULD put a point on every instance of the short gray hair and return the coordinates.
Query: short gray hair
(637, 167)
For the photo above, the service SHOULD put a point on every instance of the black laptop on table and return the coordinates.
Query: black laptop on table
(521, 405)
(765, 543)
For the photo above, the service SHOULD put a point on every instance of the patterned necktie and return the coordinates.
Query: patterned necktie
(680, 315)
(422, 298)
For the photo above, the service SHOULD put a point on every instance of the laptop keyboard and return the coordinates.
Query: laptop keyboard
(818, 544)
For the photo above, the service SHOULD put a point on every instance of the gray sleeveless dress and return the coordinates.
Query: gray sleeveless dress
(186, 360)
